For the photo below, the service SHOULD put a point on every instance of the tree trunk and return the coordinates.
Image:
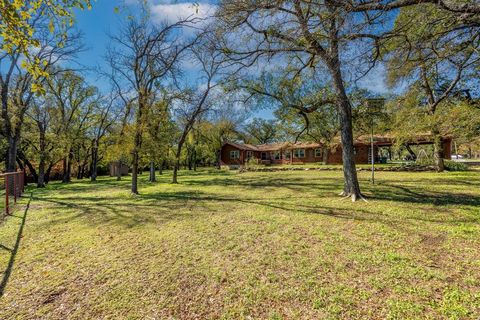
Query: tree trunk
(67, 167)
(136, 148)
(176, 166)
(42, 153)
(135, 171)
(10, 163)
(21, 167)
(160, 170)
(219, 159)
(438, 151)
(48, 172)
(28, 164)
(65, 170)
(194, 159)
(325, 153)
(80, 172)
(41, 172)
(152, 177)
(351, 186)
(93, 173)
(411, 152)
(119, 172)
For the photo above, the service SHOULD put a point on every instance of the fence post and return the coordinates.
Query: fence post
(6, 195)
(15, 188)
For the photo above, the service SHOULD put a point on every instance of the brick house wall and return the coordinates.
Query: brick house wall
(334, 156)
(225, 155)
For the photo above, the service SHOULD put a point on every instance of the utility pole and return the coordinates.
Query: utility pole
(371, 150)
(374, 106)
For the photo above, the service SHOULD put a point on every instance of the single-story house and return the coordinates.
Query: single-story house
(237, 154)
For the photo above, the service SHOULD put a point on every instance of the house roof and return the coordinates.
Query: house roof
(386, 139)
(273, 146)
(242, 146)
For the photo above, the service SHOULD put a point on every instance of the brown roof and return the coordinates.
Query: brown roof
(273, 146)
(386, 139)
(242, 146)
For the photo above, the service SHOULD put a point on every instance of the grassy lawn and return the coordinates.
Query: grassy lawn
(255, 245)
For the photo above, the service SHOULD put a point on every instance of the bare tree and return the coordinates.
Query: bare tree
(104, 119)
(143, 58)
(40, 114)
(456, 6)
(262, 131)
(195, 100)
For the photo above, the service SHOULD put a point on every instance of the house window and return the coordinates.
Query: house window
(318, 153)
(264, 156)
(234, 154)
(288, 154)
(299, 153)
(249, 155)
(277, 155)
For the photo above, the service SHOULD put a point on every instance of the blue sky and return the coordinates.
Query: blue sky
(102, 20)
(95, 25)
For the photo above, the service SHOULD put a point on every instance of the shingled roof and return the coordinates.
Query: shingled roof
(272, 146)
(379, 140)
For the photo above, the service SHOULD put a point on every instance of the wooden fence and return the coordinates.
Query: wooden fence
(13, 185)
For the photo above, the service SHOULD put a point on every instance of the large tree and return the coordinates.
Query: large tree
(74, 102)
(159, 133)
(261, 131)
(17, 85)
(19, 28)
(301, 104)
(143, 58)
(40, 140)
(104, 116)
(196, 99)
(320, 34)
(435, 52)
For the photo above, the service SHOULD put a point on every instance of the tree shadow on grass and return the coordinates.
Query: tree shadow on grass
(404, 194)
(288, 205)
(124, 211)
(297, 185)
(164, 206)
(13, 251)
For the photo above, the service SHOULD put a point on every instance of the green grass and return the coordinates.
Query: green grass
(222, 245)
(320, 165)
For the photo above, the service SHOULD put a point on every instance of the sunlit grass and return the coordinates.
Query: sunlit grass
(279, 245)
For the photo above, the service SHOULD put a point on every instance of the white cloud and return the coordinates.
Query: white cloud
(171, 13)
(375, 80)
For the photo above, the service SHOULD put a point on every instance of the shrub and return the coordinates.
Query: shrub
(252, 164)
(455, 166)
